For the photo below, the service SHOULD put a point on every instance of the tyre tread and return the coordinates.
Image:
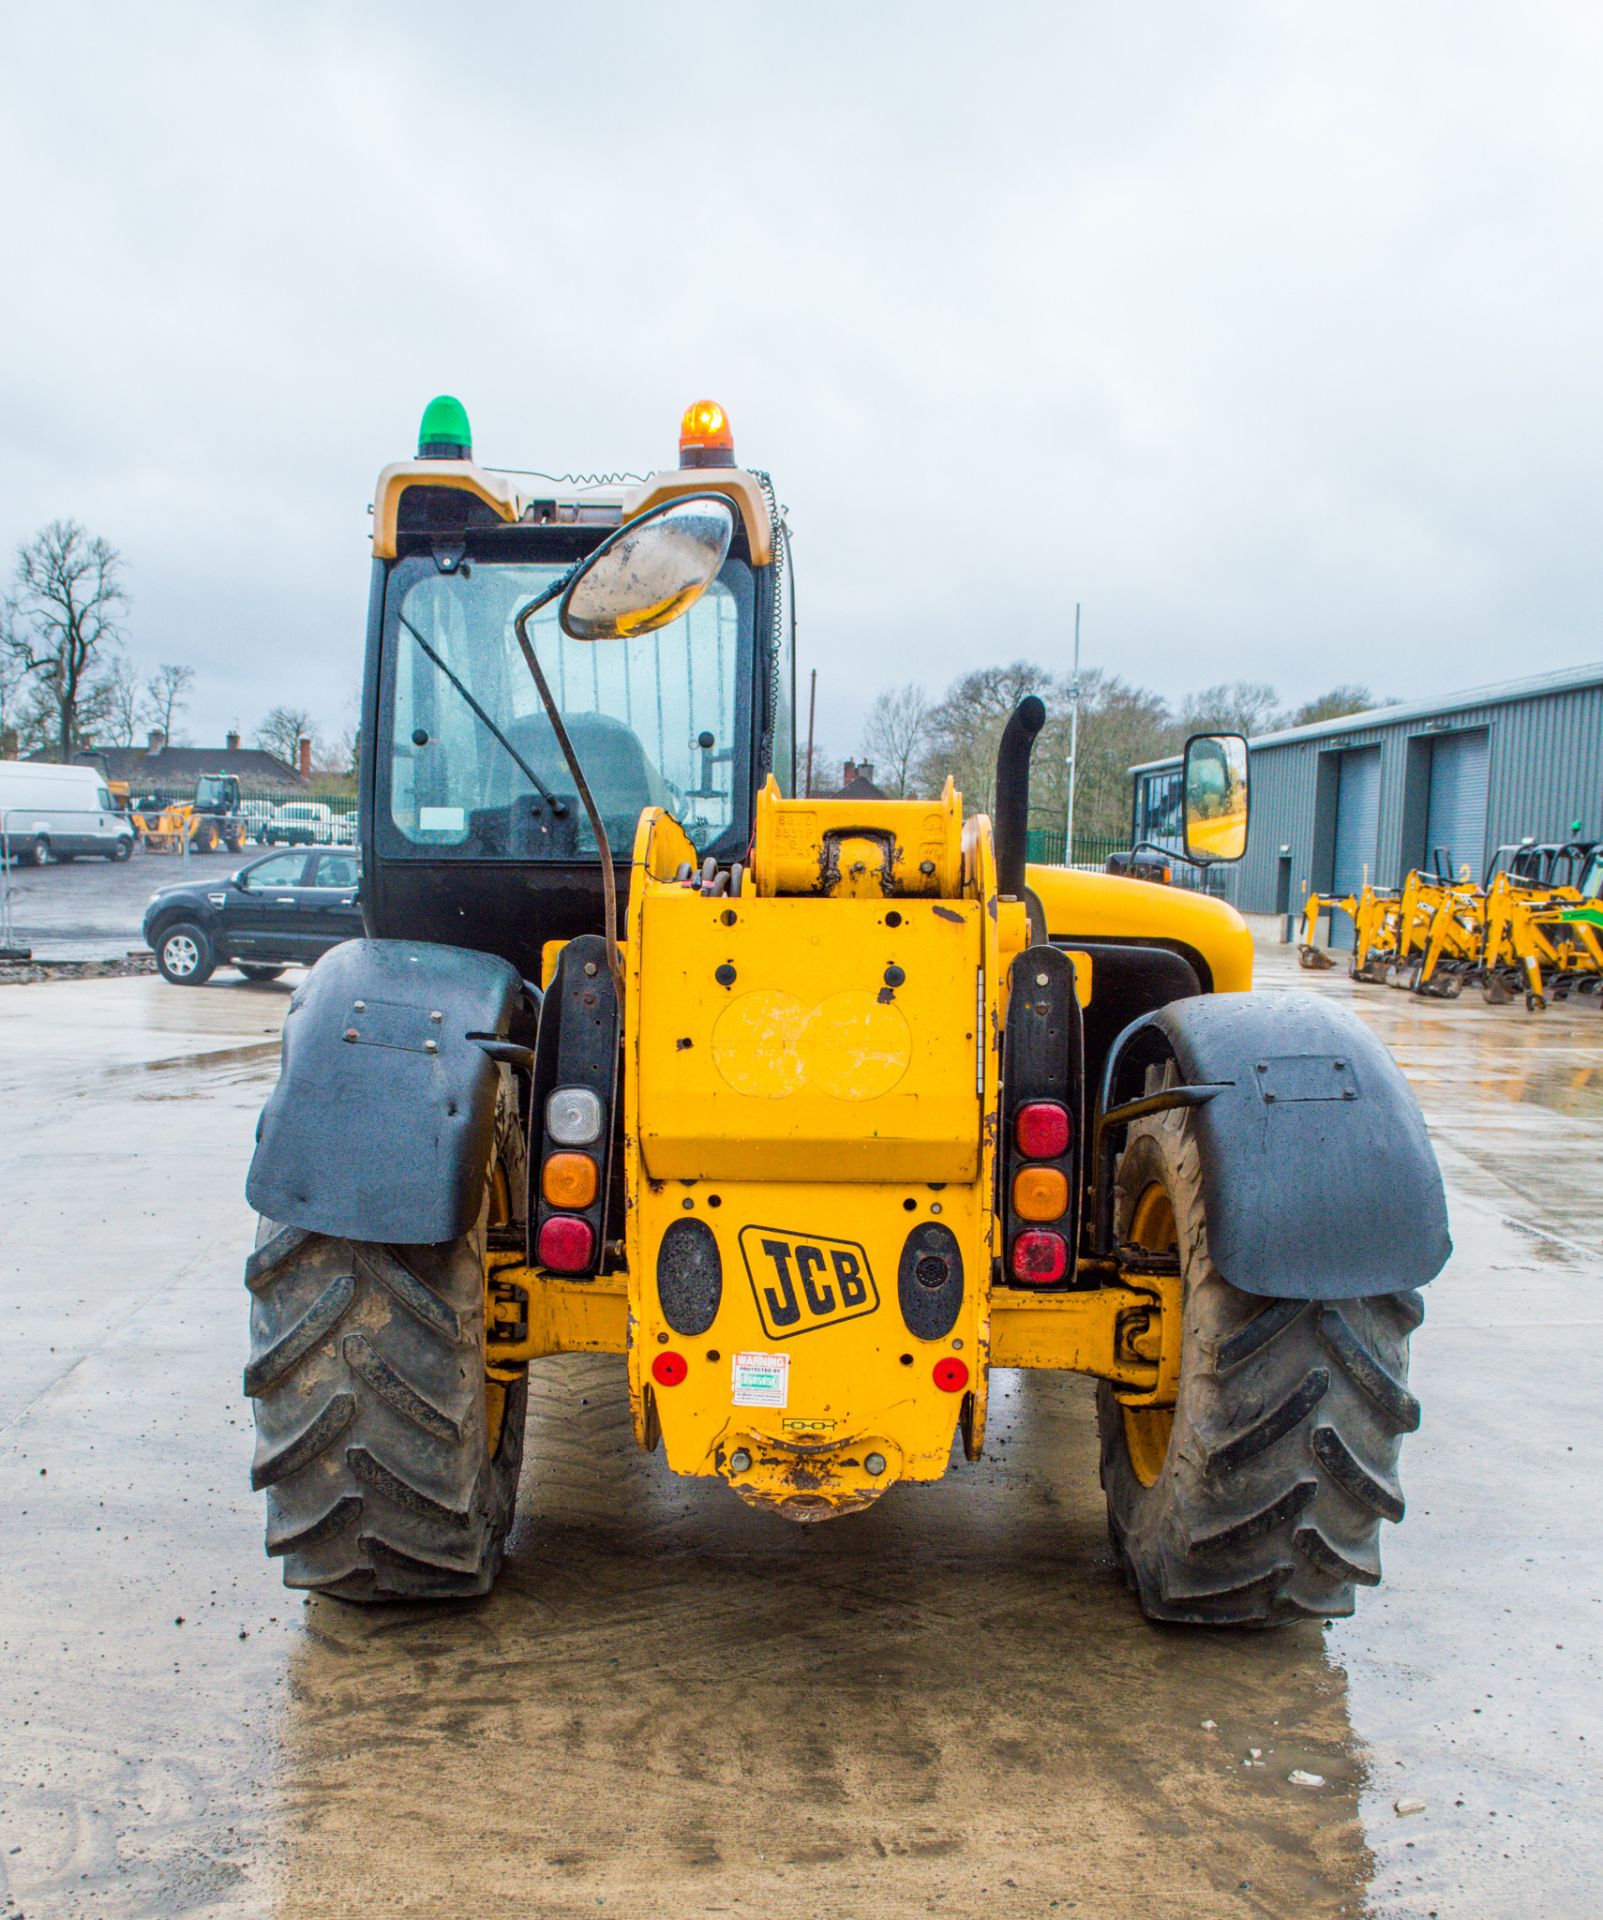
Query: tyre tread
(388, 1492)
(1291, 1415)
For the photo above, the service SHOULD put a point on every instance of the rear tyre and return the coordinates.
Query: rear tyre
(255, 971)
(42, 854)
(184, 955)
(123, 849)
(389, 1460)
(1259, 1499)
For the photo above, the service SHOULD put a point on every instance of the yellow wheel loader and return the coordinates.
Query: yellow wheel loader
(815, 1112)
(209, 821)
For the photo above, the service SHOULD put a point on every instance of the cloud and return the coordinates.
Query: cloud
(1266, 332)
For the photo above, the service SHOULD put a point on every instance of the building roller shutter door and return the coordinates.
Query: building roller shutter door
(1357, 831)
(1456, 818)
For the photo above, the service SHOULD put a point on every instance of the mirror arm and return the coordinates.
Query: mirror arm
(558, 807)
(1203, 860)
(609, 878)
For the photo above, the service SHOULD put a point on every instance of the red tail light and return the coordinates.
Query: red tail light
(566, 1244)
(1041, 1130)
(1040, 1258)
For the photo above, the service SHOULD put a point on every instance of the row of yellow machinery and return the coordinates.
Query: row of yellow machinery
(1533, 926)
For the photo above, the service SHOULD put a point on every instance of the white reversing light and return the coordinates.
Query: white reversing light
(573, 1117)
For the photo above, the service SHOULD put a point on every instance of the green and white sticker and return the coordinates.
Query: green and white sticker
(761, 1379)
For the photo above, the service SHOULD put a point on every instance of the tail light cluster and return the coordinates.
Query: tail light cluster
(1042, 1073)
(575, 1082)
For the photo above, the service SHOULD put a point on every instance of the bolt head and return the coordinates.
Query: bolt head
(436, 1018)
(431, 1046)
(590, 968)
(740, 1461)
(352, 1034)
(360, 1006)
(874, 1463)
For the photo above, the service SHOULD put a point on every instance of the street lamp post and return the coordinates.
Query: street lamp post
(1074, 741)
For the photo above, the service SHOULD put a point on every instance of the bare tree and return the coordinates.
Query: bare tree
(895, 736)
(1335, 705)
(964, 729)
(825, 775)
(282, 731)
(166, 695)
(124, 703)
(12, 676)
(340, 758)
(62, 619)
(1241, 706)
(1120, 726)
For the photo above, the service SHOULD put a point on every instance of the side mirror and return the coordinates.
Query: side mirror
(1215, 786)
(650, 571)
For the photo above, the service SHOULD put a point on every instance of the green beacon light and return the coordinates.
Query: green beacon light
(445, 433)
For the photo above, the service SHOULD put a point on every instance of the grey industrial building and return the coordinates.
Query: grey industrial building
(1377, 793)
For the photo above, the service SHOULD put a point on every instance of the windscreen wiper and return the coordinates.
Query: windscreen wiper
(558, 807)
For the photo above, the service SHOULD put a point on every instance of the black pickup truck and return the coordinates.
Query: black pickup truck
(285, 909)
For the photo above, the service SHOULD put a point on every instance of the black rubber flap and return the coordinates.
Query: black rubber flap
(1318, 1178)
(382, 1122)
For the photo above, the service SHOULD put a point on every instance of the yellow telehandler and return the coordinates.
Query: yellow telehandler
(815, 1112)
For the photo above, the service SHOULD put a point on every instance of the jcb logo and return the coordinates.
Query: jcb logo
(805, 1282)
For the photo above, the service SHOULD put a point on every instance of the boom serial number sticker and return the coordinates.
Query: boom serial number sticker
(802, 1282)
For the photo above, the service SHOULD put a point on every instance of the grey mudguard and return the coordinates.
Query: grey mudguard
(382, 1122)
(1318, 1178)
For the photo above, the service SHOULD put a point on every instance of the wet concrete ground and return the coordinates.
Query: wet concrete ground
(674, 1705)
(91, 909)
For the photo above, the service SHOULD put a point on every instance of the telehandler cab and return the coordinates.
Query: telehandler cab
(817, 1111)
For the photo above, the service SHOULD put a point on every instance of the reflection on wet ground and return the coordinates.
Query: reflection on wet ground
(675, 1705)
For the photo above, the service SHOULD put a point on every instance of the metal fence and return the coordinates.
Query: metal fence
(1045, 846)
(268, 819)
(1091, 850)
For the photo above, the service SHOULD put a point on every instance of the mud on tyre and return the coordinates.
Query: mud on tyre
(389, 1460)
(1260, 1499)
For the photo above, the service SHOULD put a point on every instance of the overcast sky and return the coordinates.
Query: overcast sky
(1272, 333)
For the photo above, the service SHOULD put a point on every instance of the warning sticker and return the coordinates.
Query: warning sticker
(761, 1379)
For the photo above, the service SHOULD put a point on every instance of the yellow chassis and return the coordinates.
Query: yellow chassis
(1113, 1333)
(811, 1081)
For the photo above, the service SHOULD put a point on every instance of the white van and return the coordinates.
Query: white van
(55, 813)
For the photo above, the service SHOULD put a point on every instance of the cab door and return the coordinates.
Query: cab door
(330, 898)
(264, 912)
